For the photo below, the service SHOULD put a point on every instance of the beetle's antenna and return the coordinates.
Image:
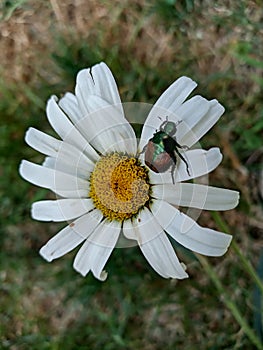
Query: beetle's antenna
(178, 122)
(161, 118)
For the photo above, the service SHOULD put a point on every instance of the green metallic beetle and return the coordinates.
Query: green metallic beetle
(162, 149)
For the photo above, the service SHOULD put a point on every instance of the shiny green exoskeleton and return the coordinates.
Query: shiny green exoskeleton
(162, 149)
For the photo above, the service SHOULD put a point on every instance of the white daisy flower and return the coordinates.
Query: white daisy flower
(111, 186)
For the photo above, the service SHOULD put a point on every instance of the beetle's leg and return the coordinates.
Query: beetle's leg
(180, 146)
(187, 167)
(185, 147)
(143, 150)
(172, 172)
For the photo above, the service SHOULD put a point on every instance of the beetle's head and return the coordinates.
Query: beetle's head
(169, 128)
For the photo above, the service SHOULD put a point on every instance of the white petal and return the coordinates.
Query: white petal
(50, 162)
(59, 120)
(154, 245)
(66, 130)
(96, 103)
(197, 196)
(192, 110)
(107, 130)
(128, 230)
(70, 106)
(56, 181)
(42, 142)
(71, 160)
(50, 146)
(197, 119)
(167, 103)
(61, 209)
(75, 169)
(105, 84)
(161, 256)
(65, 155)
(188, 233)
(99, 81)
(176, 94)
(200, 162)
(95, 252)
(71, 236)
(143, 226)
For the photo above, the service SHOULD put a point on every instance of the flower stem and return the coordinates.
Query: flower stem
(229, 303)
(248, 267)
(246, 263)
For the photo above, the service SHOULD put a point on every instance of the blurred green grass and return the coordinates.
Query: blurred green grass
(44, 44)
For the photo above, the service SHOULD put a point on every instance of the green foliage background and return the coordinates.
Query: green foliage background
(147, 44)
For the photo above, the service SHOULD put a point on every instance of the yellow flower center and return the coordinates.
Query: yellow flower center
(119, 186)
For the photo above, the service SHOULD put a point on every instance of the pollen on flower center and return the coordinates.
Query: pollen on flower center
(119, 186)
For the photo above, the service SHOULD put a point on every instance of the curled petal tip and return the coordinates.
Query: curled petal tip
(103, 276)
(45, 254)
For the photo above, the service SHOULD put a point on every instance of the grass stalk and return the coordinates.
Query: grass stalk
(229, 303)
(245, 262)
